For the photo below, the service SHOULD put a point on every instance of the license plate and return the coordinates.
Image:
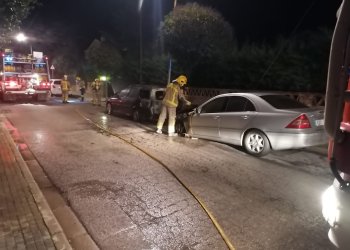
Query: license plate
(319, 122)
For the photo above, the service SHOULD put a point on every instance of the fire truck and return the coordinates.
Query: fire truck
(336, 199)
(24, 76)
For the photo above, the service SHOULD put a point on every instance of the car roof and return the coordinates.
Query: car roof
(250, 94)
(145, 86)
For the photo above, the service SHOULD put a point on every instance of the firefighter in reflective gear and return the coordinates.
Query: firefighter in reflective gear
(81, 85)
(65, 87)
(170, 102)
(96, 92)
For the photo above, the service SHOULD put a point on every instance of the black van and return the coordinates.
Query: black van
(140, 102)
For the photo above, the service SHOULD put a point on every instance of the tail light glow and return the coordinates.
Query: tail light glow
(11, 83)
(301, 122)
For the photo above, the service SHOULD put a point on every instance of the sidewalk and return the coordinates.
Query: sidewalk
(26, 220)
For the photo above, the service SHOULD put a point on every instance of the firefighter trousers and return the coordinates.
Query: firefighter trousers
(171, 116)
(65, 95)
(96, 97)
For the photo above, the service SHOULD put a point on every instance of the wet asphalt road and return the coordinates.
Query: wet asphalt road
(126, 200)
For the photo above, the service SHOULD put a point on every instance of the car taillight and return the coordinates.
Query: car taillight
(11, 83)
(44, 84)
(300, 122)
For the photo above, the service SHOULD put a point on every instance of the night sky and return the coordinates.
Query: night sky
(80, 21)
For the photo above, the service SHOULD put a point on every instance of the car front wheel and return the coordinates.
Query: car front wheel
(256, 143)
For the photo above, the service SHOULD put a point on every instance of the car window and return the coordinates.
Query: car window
(145, 93)
(124, 92)
(249, 106)
(160, 94)
(57, 82)
(282, 102)
(134, 93)
(239, 104)
(215, 106)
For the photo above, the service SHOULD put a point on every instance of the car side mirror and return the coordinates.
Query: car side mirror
(196, 111)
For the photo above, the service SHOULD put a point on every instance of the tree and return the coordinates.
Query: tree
(104, 57)
(298, 63)
(195, 34)
(12, 13)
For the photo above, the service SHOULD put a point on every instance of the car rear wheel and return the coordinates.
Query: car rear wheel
(109, 109)
(256, 143)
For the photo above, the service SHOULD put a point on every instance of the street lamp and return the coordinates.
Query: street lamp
(141, 50)
(105, 86)
(170, 62)
(20, 37)
(140, 37)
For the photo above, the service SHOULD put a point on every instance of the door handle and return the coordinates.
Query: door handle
(216, 117)
(245, 117)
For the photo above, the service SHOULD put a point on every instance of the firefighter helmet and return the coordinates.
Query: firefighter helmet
(181, 80)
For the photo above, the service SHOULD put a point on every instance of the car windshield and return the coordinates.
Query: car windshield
(282, 102)
(160, 94)
(145, 94)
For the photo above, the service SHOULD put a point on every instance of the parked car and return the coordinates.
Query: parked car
(141, 102)
(56, 87)
(259, 122)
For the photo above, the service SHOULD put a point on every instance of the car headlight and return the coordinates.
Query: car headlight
(330, 206)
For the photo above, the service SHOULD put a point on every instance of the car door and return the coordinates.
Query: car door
(131, 101)
(117, 99)
(239, 112)
(204, 123)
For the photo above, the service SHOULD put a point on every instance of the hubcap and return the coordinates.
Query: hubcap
(255, 143)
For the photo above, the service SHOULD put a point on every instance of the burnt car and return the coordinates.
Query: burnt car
(259, 122)
(140, 102)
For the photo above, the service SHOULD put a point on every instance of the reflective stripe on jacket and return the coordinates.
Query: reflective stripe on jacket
(81, 84)
(65, 85)
(172, 94)
(96, 86)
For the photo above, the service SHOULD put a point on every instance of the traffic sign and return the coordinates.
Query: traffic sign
(52, 67)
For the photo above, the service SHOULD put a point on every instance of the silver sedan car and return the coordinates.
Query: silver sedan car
(259, 122)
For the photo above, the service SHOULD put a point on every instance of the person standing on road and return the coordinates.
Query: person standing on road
(81, 84)
(96, 92)
(65, 87)
(170, 102)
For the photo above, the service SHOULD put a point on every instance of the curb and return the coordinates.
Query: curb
(68, 224)
(59, 239)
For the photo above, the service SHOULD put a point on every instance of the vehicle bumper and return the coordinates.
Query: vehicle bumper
(56, 92)
(281, 141)
(42, 92)
(10, 95)
(336, 211)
